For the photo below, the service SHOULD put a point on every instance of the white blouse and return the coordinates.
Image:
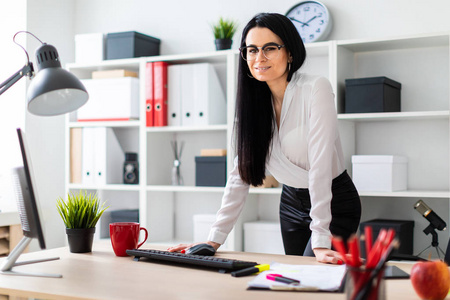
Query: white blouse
(306, 152)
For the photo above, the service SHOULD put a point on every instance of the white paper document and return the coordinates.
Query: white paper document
(312, 277)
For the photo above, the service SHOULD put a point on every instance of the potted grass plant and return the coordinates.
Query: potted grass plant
(223, 32)
(80, 213)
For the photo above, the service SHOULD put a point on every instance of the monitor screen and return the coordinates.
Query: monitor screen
(27, 203)
(28, 207)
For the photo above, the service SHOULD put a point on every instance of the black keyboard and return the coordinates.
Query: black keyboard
(189, 259)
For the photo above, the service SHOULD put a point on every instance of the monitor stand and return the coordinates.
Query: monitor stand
(10, 262)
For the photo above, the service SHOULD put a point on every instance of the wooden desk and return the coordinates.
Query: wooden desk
(102, 275)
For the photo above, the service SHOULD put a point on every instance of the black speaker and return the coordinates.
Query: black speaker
(131, 168)
(403, 231)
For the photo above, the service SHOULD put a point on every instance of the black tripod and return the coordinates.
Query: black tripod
(434, 243)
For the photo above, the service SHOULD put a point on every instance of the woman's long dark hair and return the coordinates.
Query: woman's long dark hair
(255, 120)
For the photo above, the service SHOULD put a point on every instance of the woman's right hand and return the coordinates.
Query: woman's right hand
(180, 247)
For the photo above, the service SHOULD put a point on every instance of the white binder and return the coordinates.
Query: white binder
(108, 157)
(76, 154)
(210, 103)
(174, 95)
(87, 156)
(187, 95)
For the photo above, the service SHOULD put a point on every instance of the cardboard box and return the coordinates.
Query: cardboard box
(213, 152)
(380, 173)
(374, 94)
(113, 74)
(113, 99)
(130, 44)
(210, 170)
(89, 48)
(263, 237)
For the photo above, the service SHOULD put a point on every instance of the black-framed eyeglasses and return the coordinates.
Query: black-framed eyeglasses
(269, 50)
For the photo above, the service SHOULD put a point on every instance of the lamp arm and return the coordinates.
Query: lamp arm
(27, 70)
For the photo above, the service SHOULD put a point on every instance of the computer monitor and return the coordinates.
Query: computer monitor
(29, 212)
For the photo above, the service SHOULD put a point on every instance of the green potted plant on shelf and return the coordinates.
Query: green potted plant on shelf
(80, 213)
(223, 33)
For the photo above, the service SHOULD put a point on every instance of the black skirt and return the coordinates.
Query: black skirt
(295, 207)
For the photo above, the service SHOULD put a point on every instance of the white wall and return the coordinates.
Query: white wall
(52, 22)
(184, 27)
(12, 105)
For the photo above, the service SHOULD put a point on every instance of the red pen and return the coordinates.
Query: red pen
(353, 247)
(377, 248)
(281, 278)
(389, 237)
(369, 239)
(339, 245)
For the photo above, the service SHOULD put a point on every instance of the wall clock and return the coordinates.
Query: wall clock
(312, 20)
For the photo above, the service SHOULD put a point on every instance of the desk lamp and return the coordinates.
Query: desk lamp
(53, 91)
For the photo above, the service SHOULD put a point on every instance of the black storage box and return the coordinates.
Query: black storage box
(125, 215)
(210, 170)
(375, 94)
(403, 231)
(130, 44)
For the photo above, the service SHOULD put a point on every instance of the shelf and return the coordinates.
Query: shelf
(210, 57)
(277, 191)
(187, 128)
(127, 63)
(205, 189)
(408, 194)
(107, 187)
(134, 123)
(265, 191)
(174, 188)
(133, 63)
(396, 116)
(418, 41)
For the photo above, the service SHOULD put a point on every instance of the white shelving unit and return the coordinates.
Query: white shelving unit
(420, 132)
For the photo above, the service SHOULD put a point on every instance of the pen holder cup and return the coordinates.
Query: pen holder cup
(364, 284)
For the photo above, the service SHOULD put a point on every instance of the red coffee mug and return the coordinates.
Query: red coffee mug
(125, 236)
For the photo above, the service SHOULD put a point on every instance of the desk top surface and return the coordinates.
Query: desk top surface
(102, 275)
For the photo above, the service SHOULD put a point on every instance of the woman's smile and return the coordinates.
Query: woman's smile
(261, 68)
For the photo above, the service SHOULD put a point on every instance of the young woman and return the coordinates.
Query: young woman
(287, 125)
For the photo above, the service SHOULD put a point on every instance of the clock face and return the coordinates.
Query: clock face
(312, 20)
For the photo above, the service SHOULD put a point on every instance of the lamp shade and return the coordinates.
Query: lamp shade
(54, 91)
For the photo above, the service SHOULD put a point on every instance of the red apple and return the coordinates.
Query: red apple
(431, 279)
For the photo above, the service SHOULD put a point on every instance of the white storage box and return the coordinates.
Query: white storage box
(89, 48)
(380, 173)
(202, 226)
(263, 237)
(111, 99)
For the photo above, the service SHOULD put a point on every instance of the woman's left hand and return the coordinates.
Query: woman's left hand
(328, 256)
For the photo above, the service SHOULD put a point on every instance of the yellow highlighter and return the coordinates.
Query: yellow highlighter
(251, 270)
